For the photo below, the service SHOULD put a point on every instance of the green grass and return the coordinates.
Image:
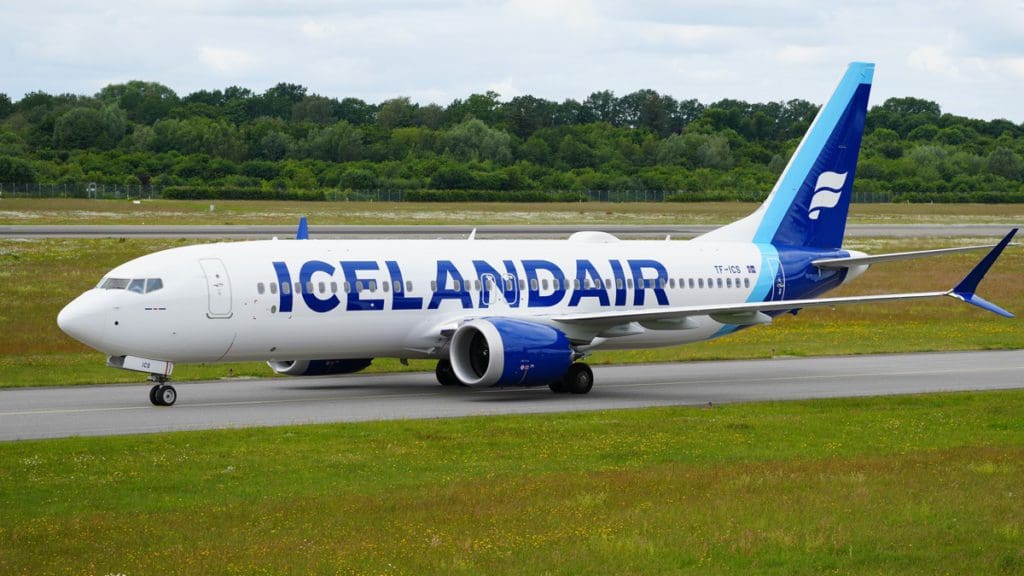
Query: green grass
(80, 211)
(38, 277)
(911, 485)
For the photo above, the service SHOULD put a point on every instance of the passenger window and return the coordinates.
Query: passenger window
(346, 287)
(334, 287)
(534, 285)
(728, 282)
(456, 285)
(322, 287)
(273, 287)
(433, 285)
(397, 285)
(700, 282)
(719, 282)
(618, 284)
(359, 285)
(298, 288)
(408, 285)
(672, 283)
(746, 282)
(309, 288)
(544, 284)
(385, 286)
(522, 284)
(508, 284)
(286, 289)
(138, 286)
(690, 282)
(154, 284)
(260, 288)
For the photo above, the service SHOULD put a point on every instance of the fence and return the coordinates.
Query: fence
(139, 192)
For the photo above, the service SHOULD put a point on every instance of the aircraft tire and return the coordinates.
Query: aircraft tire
(445, 374)
(153, 395)
(166, 395)
(579, 379)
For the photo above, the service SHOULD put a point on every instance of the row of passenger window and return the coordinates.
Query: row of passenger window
(509, 285)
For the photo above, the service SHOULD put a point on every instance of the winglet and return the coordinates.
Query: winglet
(303, 232)
(965, 290)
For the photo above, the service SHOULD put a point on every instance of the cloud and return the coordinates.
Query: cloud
(227, 61)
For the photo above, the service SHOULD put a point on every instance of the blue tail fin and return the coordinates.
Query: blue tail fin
(810, 201)
(303, 232)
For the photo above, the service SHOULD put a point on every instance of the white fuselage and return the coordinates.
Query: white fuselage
(227, 302)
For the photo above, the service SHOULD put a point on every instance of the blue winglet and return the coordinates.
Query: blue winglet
(303, 231)
(965, 290)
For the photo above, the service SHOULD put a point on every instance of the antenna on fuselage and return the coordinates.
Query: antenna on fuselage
(303, 232)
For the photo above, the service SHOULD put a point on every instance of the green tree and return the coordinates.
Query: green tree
(16, 171)
(474, 140)
(6, 106)
(1004, 162)
(340, 142)
(396, 113)
(316, 109)
(144, 102)
(90, 128)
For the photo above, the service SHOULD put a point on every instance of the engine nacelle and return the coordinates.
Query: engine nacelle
(318, 367)
(509, 352)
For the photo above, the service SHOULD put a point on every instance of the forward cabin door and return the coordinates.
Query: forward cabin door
(218, 288)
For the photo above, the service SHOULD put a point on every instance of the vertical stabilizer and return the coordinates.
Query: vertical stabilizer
(810, 201)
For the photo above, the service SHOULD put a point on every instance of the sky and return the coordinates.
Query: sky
(967, 56)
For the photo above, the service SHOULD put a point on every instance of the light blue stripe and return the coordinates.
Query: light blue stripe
(764, 285)
(858, 73)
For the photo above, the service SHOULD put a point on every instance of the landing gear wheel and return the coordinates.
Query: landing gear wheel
(446, 374)
(579, 379)
(163, 395)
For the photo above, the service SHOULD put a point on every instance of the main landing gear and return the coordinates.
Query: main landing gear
(578, 379)
(162, 393)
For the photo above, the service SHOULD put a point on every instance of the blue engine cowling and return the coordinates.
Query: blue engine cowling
(509, 352)
(318, 367)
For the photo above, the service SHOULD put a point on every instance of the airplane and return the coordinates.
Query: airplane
(500, 312)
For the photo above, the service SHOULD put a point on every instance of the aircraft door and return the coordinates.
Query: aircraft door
(218, 288)
(778, 290)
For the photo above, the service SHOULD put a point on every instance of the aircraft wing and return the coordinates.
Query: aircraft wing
(754, 312)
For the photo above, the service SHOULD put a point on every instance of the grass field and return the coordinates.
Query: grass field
(38, 277)
(928, 484)
(80, 211)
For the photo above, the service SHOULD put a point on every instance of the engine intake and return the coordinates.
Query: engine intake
(509, 352)
(318, 367)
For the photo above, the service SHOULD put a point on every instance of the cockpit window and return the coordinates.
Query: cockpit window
(115, 283)
(138, 285)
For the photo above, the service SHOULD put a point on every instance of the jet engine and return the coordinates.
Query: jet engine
(509, 352)
(318, 367)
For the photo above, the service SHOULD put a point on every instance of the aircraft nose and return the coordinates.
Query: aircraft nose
(83, 320)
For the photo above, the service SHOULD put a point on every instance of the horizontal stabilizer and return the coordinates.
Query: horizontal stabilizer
(852, 261)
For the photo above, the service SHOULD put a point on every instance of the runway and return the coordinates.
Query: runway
(125, 409)
(240, 232)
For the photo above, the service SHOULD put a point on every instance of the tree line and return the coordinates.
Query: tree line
(286, 140)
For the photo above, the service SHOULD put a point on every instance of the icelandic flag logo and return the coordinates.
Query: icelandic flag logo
(826, 192)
